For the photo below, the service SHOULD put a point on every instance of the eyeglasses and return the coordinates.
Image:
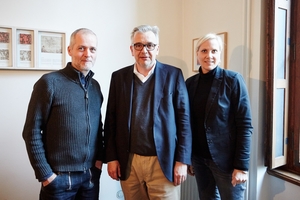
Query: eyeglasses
(140, 46)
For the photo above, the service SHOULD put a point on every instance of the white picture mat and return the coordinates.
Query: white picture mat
(51, 50)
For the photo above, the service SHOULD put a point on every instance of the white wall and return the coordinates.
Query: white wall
(112, 21)
(180, 21)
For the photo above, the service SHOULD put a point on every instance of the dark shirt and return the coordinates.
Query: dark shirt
(200, 146)
(84, 79)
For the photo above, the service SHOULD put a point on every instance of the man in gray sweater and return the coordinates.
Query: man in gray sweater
(63, 127)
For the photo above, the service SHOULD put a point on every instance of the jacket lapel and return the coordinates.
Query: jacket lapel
(128, 93)
(159, 84)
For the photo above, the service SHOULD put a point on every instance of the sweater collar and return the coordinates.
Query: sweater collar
(74, 74)
(210, 74)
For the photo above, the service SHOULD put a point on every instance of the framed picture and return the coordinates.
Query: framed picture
(6, 53)
(25, 48)
(51, 50)
(31, 49)
(195, 63)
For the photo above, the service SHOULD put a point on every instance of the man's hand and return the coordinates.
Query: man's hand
(238, 177)
(180, 173)
(49, 180)
(99, 164)
(113, 169)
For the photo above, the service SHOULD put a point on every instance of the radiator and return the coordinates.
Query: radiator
(189, 189)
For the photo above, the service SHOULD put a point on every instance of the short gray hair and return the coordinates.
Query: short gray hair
(144, 29)
(82, 30)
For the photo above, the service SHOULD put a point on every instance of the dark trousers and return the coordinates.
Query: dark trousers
(73, 186)
(213, 184)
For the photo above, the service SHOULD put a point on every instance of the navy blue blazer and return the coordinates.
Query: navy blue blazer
(227, 119)
(171, 128)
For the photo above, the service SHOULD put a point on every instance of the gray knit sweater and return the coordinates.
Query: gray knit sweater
(63, 128)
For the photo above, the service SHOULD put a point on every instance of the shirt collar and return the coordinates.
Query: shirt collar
(141, 76)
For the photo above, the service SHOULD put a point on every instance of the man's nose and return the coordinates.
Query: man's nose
(87, 52)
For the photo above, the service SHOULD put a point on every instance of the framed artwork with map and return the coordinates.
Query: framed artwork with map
(51, 50)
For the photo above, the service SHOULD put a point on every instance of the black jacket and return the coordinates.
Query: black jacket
(227, 120)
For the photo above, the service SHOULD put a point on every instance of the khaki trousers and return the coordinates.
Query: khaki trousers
(147, 181)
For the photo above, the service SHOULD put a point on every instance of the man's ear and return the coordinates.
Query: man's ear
(69, 50)
(131, 49)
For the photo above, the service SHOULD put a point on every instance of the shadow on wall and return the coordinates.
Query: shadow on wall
(240, 61)
(175, 62)
(274, 187)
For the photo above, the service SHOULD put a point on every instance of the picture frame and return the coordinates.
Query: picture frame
(6, 53)
(51, 50)
(223, 64)
(24, 48)
(31, 49)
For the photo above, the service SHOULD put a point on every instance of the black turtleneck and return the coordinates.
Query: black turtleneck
(200, 146)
